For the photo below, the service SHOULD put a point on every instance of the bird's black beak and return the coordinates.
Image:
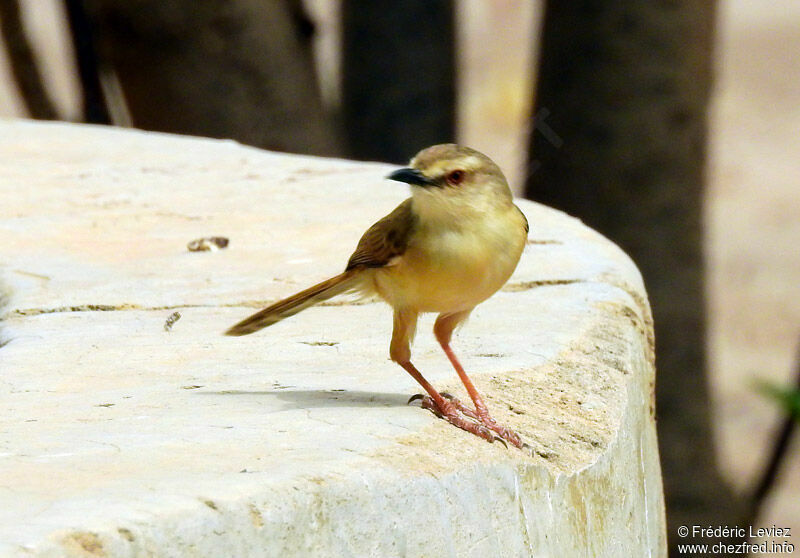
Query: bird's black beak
(410, 176)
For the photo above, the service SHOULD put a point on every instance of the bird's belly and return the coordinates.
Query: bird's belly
(452, 273)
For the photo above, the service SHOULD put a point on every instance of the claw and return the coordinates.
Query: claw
(499, 439)
(415, 397)
(431, 406)
(484, 433)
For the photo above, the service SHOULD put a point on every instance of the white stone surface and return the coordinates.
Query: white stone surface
(118, 438)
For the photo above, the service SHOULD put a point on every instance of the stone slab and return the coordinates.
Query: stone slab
(119, 438)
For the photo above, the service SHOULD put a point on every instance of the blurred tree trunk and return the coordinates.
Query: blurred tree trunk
(398, 77)
(23, 64)
(619, 140)
(93, 102)
(239, 69)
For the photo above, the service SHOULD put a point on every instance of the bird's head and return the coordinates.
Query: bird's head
(451, 178)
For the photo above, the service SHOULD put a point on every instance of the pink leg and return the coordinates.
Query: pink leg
(444, 408)
(443, 329)
(399, 350)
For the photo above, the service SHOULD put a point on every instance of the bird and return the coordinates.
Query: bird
(450, 246)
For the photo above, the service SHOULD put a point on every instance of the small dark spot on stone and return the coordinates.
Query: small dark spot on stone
(126, 533)
(279, 386)
(537, 241)
(174, 317)
(211, 504)
(208, 243)
(87, 542)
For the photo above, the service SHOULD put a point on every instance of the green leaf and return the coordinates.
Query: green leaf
(787, 397)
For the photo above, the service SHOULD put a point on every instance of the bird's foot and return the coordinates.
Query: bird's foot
(460, 406)
(457, 414)
(504, 432)
(484, 418)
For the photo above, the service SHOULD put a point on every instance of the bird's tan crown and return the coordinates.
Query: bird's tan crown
(438, 159)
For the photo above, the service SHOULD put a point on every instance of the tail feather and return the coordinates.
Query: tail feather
(295, 303)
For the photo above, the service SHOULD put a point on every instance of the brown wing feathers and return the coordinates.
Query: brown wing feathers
(386, 239)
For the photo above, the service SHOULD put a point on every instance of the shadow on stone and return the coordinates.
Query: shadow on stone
(315, 398)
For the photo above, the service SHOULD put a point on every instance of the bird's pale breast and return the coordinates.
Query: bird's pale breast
(453, 269)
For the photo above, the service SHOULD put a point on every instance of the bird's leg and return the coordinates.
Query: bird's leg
(443, 329)
(481, 410)
(444, 408)
(400, 351)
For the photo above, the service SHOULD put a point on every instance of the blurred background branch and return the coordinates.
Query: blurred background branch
(787, 398)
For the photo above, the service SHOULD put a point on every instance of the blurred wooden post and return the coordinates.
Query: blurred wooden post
(22, 62)
(619, 140)
(225, 69)
(95, 108)
(398, 77)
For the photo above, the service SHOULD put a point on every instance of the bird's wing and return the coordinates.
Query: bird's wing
(386, 239)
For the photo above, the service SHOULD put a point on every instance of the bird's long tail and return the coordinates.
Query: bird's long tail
(296, 303)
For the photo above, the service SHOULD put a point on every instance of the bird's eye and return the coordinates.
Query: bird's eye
(456, 177)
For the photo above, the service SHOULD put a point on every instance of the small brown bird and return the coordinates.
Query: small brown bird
(447, 248)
